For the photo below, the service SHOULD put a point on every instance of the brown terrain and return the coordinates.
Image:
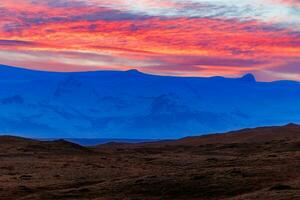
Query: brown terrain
(260, 164)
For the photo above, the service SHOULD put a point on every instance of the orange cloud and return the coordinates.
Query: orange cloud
(104, 38)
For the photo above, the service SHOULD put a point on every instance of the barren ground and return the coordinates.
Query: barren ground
(259, 164)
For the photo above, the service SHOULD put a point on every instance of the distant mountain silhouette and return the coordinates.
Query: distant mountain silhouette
(249, 78)
(132, 104)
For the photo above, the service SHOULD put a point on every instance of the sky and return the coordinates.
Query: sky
(168, 37)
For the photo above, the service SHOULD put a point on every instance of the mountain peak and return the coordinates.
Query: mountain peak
(133, 71)
(249, 78)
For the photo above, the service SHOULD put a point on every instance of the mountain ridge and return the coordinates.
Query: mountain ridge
(247, 76)
(262, 134)
(131, 71)
(134, 105)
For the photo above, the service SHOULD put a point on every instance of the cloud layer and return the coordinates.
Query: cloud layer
(172, 37)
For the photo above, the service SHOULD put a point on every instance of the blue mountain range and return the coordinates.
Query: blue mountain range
(132, 104)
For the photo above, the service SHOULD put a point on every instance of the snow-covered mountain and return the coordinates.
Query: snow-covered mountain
(131, 104)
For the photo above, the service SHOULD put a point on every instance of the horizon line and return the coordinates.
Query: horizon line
(142, 72)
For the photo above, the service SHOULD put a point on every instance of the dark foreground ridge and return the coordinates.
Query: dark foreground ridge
(261, 163)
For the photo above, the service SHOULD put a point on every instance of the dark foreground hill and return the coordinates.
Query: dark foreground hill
(262, 164)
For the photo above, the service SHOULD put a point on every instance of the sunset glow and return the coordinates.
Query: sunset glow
(168, 37)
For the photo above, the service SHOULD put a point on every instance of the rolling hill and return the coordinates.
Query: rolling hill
(261, 163)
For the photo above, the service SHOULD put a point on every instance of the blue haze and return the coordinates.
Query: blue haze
(134, 105)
